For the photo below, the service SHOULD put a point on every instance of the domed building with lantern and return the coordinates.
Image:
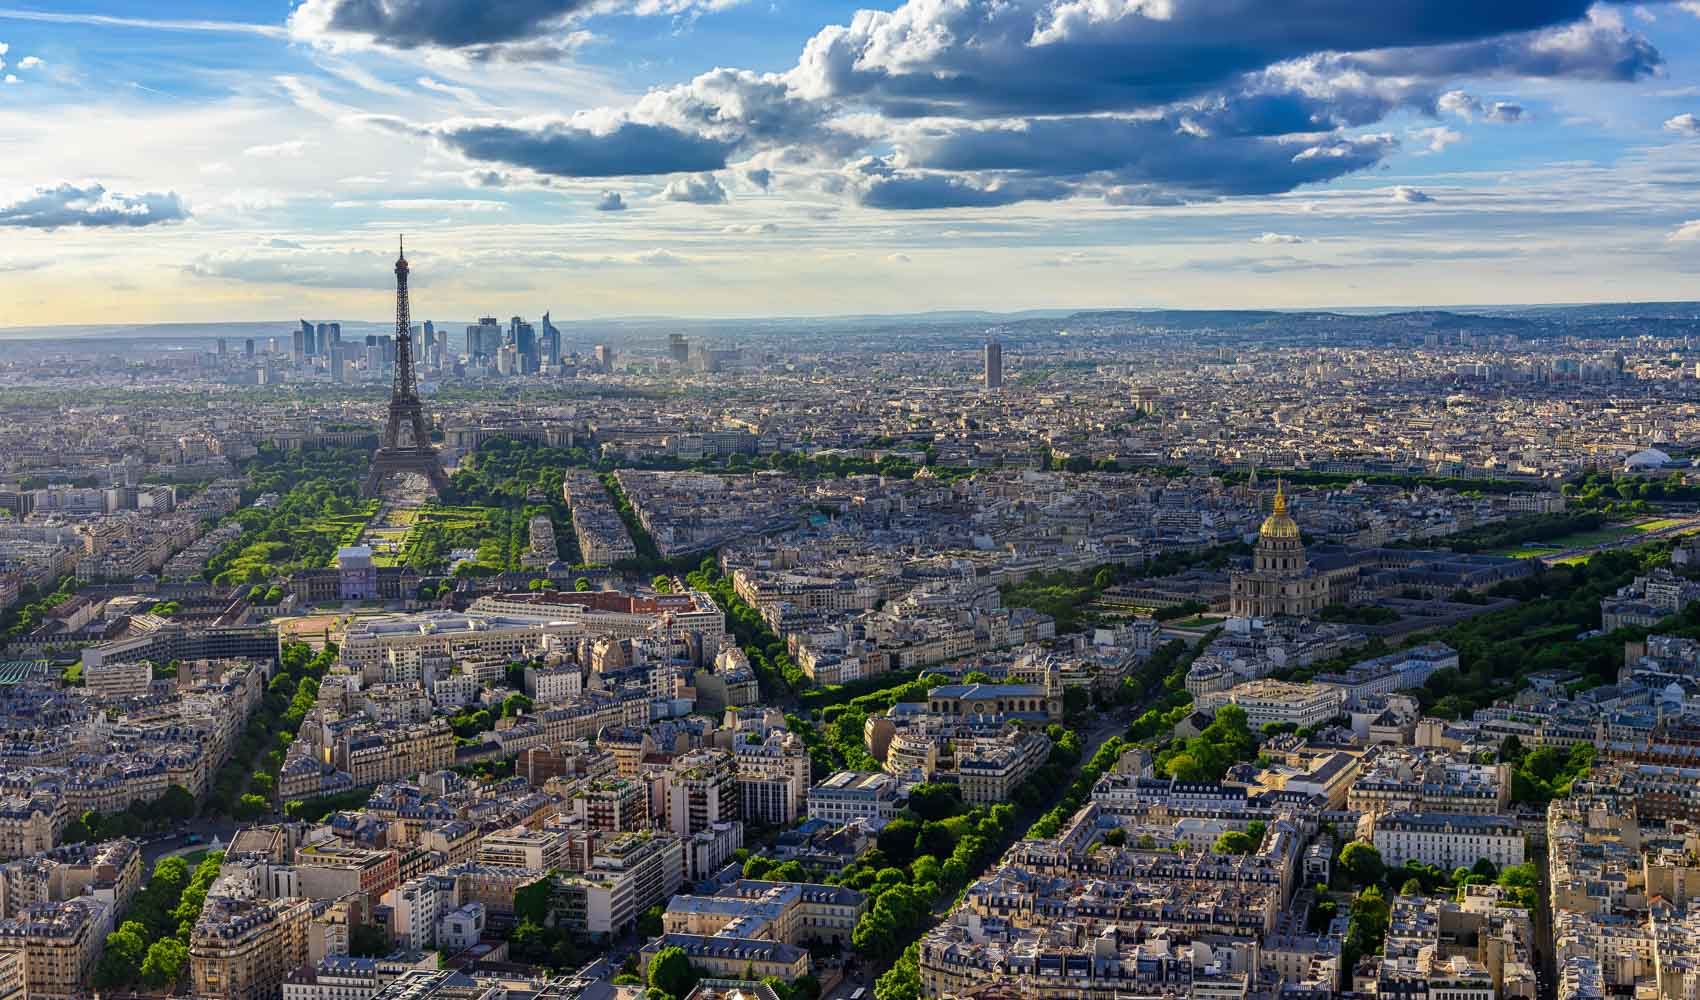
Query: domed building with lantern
(1281, 581)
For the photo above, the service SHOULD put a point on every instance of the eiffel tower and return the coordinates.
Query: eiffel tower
(406, 446)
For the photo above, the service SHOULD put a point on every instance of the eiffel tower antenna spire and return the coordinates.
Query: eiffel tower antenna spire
(406, 445)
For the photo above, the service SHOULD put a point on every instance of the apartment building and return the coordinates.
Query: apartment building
(113, 681)
(333, 871)
(553, 685)
(854, 795)
(369, 641)
(1429, 781)
(518, 847)
(732, 957)
(701, 790)
(1447, 840)
(1400, 670)
(372, 755)
(773, 776)
(616, 614)
(109, 872)
(336, 977)
(788, 912)
(59, 943)
(243, 949)
(30, 823)
(415, 907)
(626, 877)
(990, 769)
(1266, 700)
(612, 804)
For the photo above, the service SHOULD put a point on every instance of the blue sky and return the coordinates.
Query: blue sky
(255, 160)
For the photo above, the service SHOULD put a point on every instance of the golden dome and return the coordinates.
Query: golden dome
(1278, 524)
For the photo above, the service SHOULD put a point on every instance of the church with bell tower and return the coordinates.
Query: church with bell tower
(1281, 581)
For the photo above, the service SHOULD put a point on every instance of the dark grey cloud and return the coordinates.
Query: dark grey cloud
(611, 201)
(453, 24)
(566, 149)
(703, 189)
(761, 177)
(1149, 152)
(906, 190)
(1073, 57)
(1504, 111)
(480, 29)
(91, 206)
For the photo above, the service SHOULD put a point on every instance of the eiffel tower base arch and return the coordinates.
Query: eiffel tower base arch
(387, 462)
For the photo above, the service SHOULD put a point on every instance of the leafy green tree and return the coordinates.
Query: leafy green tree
(126, 948)
(875, 934)
(903, 980)
(170, 877)
(1412, 887)
(533, 902)
(1362, 862)
(1370, 913)
(581, 585)
(177, 804)
(165, 962)
(649, 925)
(805, 987)
(671, 971)
(897, 839)
(76, 832)
(1234, 842)
(1322, 914)
(368, 941)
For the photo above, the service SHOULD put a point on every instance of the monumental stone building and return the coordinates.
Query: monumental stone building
(1281, 580)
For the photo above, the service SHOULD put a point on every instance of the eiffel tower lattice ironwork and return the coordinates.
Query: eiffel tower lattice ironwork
(406, 447)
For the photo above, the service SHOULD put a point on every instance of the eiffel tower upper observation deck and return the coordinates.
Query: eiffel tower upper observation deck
(406, 446)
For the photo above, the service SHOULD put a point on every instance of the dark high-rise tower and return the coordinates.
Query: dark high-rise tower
(994, 365)
(549, 343)
(406, 446)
